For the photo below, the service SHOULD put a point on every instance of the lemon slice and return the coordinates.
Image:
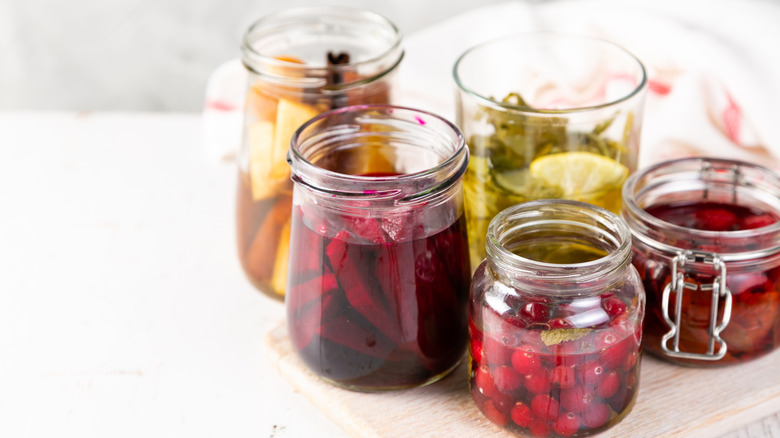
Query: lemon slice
(581, 176)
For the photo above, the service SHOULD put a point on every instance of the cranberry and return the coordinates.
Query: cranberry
(576, 399)
(631, 360)
(559, 323)
(609, 385)
(507, 379)
(613, 305)
(476, 350)
(525, 362)
(494, 414)
(521, 414)
(567, 424)
(503, 402)
(596, 415)
(591, 373)
(538, 382)
(539, 428)
(496, 353)
(484, 382)
(537, 312)
(545, 407)
(613, 351)
(563, 376)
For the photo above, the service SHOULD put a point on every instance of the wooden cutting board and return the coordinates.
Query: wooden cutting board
(673, 401)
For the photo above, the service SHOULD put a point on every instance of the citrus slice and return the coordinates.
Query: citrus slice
(580, 175)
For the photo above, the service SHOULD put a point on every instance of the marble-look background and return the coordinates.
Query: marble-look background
(146, 55)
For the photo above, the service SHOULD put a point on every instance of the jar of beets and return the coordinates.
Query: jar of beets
(556, 320)
(379, 271)
(707, 246)
(301, 62)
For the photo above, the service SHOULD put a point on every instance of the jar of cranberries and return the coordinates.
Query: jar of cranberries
(379, 273)
(707, 246)
(556, 320)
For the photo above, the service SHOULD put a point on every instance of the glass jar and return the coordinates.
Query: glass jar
(707, 245)
(556, 320)
(379, 274)
(545, 116)
(301, 62)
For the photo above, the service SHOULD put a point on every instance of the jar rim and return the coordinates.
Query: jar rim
(317, 13)
(383, 186)
(546, 37)
(614, 229)
(638, 185)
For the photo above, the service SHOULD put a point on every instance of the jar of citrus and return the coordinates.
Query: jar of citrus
(546, 116)
(301, 62)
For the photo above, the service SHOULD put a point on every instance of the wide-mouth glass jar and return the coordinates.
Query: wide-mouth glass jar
(546, 115)
(378, 278)
(301, 63)
(556, 320)
(707, 245)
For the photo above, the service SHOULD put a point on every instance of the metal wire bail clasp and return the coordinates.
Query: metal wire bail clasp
(718, 289)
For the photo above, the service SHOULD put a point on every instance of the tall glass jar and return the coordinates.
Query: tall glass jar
(707, 245)
(301, 63)
(379, 274)
(546, 115)
(556, 320)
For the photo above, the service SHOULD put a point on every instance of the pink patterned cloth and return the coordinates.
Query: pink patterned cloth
(713, 70)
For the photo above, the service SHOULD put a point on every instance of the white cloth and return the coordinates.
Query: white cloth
(713, 68)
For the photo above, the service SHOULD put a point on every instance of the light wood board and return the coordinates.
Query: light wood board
(673, 401)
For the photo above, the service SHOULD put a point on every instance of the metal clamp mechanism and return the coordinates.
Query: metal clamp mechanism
(718, 288)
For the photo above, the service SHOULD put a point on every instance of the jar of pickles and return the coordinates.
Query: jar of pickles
(556, 320)
(301, 62)
(707, 246)
(379, 274)
(546, 116)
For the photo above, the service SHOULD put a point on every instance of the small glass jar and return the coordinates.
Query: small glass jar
(301, 62)
(707, 245)
(556, 320)
(546, 116)
(379, 273)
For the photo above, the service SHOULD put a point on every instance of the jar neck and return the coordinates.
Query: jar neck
(549, 223)
(376, 156)
(692, 180)
(303, 48)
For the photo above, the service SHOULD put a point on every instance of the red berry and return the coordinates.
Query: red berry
(631, 360)
(613, 351)
(576, 399)
(521, 414)
(567, 424)
(563, 376)
(507, 379)
(494, 414)
(476, 351)
(496, 353)
(536, 312)
(538, 382)
(539, 428)
(613, 305)
(545, 407)
(609, 385)
(591, 373)
(525, 362)
(559, 323)
(503, 402)
(484, 382)
(596, 415)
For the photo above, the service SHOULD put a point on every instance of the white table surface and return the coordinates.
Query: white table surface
(123, 308)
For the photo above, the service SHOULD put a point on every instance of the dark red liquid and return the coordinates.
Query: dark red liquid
(576, 387)
(754, 328)
(370, 312)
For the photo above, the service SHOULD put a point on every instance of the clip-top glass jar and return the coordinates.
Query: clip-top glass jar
(707, 245)
(301, 62)
(379, 272)
(545, 116)
(556, 320)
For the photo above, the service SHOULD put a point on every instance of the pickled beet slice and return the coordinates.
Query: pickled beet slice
(304, 293)
(366, 228)
(341, 330)
(350, 263)
(308, 319)
(395, 278)
(309, 256)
